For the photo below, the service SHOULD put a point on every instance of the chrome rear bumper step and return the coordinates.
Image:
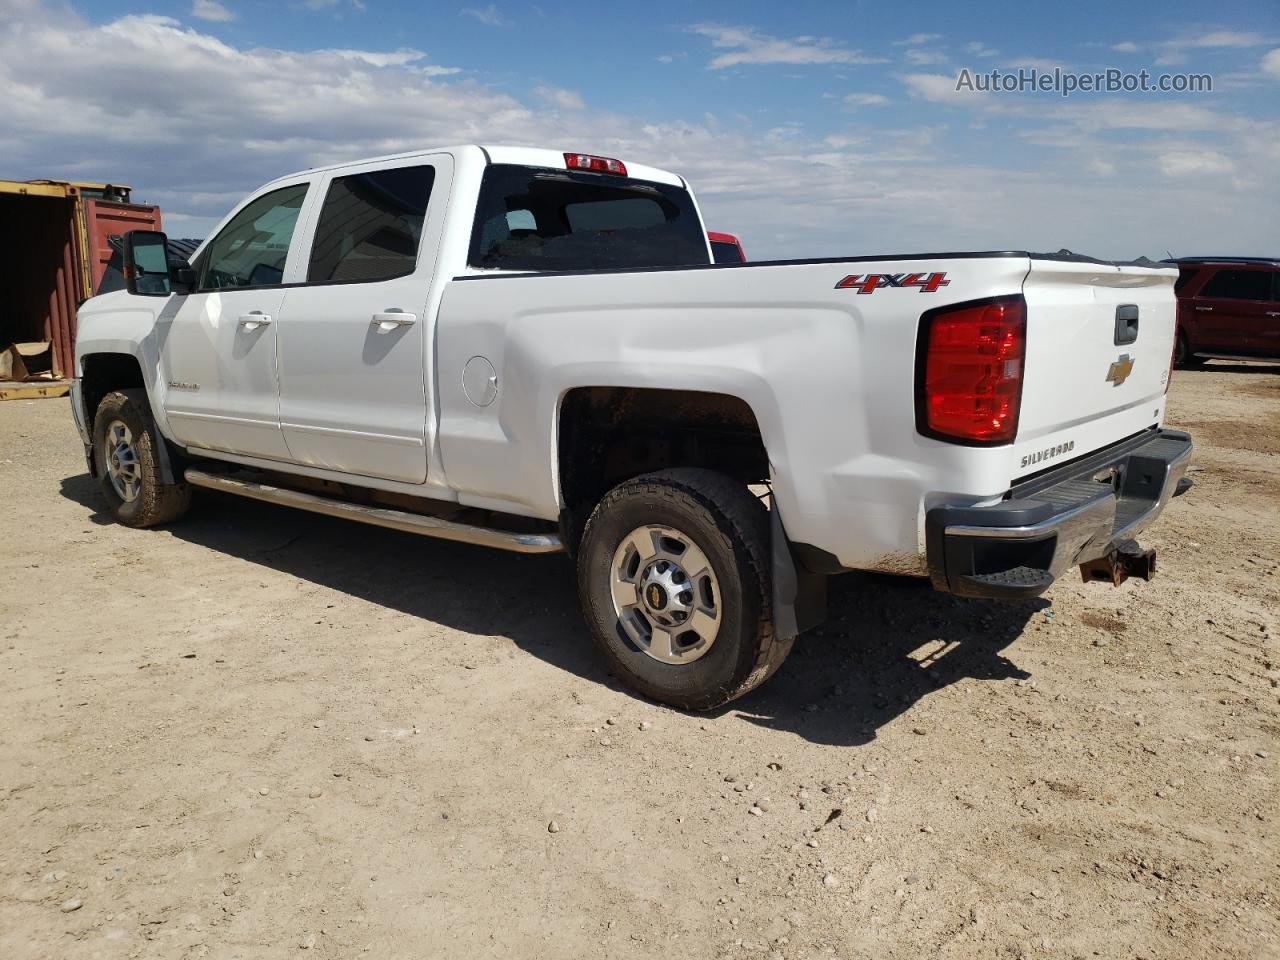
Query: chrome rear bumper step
(379, 516)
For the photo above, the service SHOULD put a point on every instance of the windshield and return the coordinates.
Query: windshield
(532, 218)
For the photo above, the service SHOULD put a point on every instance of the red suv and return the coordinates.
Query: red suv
(1228, 307)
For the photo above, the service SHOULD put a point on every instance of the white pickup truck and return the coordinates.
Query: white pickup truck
(533, 350)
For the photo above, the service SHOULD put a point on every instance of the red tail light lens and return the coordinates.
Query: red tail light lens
(969, 371)
(584, 161)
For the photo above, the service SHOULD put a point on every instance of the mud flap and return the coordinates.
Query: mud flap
(165, 458)
(168, 456)
(799, 594)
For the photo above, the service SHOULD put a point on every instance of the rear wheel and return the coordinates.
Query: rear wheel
(124, 447)
(673, 572)
(1183, 357)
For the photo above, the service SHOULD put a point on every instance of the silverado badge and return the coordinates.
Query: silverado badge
(1120, 370)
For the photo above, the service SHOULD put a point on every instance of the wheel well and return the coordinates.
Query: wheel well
(104, 372)
(610, 434)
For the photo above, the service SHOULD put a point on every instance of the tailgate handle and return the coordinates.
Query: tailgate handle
(1126, 323)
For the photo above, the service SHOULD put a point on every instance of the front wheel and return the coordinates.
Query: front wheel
(124, 447)
(674, 577)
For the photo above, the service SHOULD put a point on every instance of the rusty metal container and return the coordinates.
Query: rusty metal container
(53, 251)
(40, 267)
(107, 218)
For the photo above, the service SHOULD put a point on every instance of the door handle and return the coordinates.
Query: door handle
(393, 318)
(1204, 309)
(254, 319)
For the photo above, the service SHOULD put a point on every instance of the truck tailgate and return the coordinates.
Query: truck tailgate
(1089, 381)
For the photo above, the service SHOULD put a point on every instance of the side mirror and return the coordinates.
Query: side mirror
(146, 264)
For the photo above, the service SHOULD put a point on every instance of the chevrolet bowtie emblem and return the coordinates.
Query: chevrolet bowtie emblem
(1120, 370)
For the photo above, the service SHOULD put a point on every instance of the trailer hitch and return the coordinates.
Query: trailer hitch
(1125, 559)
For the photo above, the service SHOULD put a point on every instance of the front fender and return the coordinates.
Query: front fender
(117, 323)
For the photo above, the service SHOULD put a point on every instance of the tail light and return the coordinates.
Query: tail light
(584, 161)
(969, 359)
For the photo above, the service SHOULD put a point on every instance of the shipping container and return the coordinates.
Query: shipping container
(108, 218)
(53, 250)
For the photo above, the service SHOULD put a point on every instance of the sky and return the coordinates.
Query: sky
(809, 129)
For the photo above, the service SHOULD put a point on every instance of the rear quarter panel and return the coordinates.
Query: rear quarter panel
(829, 374)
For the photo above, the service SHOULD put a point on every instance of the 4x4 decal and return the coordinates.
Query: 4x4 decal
(871, 282)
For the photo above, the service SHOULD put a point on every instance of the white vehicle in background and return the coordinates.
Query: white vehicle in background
(532, 350)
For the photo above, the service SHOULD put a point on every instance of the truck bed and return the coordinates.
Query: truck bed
(830, 374)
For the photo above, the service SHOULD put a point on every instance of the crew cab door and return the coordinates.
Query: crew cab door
(218, 343)
(1268, 344)
(1232, 308)
(354, 338)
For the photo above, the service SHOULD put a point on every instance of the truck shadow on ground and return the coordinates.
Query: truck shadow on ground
(888, 643)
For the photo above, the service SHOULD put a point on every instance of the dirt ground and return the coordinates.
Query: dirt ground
(260, 732)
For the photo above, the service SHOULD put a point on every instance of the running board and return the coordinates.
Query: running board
(379, 516)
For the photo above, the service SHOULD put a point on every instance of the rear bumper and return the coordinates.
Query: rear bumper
(1066, 517)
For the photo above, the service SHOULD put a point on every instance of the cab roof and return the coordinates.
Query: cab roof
(523, 156)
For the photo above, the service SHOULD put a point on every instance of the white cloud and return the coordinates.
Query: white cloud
(1224, 38)
(1271, 64)
(916, 39)
(560, 98)
(1187, 163)
(746, 45)
(245, 114)
(331, 4)
(940, 88)
(1037, 63)
(1118, 114)
(211, 10)
(1125, 46)
(395, 58)
(925, 57)
(854, 100)
(489, 16)
(1175, 51)
(979, 49)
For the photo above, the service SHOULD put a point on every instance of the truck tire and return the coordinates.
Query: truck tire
(674, 576)
(125, 441)
(1183, 358)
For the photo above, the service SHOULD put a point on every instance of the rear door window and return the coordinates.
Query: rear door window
(252, 249)
(370, 225)
(1185, 276)
(1238, 285)
(531, 218)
